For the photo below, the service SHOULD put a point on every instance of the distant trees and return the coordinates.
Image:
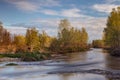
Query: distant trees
(112, 31)
(32, 39)
(20, 43)
(69, 38)
(5, 38)
(36, 41)
(45, 40)
(97, 44)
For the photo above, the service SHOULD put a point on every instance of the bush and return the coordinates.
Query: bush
(35, 56)
(11, 55)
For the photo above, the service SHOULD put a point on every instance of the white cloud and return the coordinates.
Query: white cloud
(43, 5)
(24, 5)
(16, 29)
(49, 23)
(49, 12)
(71, 12)
(111, 1)
(48, 3)
(94, 26)
(106, 8)
(33, 5)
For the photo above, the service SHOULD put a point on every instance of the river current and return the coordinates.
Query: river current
(95, 64)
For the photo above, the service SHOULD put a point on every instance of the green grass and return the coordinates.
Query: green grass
(11, 55)
(1, 56)
(28, 56)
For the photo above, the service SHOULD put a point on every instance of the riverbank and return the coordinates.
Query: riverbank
(27, 56)
(115, 52)
(35, 56)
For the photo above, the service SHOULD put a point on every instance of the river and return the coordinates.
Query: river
(94, 64)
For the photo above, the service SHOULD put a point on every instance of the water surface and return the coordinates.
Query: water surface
(89, 65)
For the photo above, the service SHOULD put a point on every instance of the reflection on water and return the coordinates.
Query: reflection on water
(92, 55)
(93, 59)
(76, 57)
(68, 76)
(113, 62)
(81, 77)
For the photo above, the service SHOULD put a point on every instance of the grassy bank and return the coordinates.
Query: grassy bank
(28, 56)
(38, 56)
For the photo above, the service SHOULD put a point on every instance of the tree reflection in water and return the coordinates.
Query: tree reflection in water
(113, 63)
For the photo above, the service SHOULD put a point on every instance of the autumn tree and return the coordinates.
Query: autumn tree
(69, 38)
(20, 43)
(5, 37)
(55, 45)
(84, 36)
(45, 40)
(64, 24)
(32, 39)
(97, 43)
(112, 31)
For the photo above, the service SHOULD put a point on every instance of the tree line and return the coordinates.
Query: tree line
(69, 39)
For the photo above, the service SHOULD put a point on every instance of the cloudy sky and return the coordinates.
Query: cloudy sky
(18, 15)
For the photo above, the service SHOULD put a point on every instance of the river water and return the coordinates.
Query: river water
(95, 64)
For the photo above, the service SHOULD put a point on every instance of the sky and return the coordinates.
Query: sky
(18, 15)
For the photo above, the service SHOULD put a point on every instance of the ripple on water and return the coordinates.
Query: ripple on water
(94, 59)
(70, 76)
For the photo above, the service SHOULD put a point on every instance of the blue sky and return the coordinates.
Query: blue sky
(18, 15)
